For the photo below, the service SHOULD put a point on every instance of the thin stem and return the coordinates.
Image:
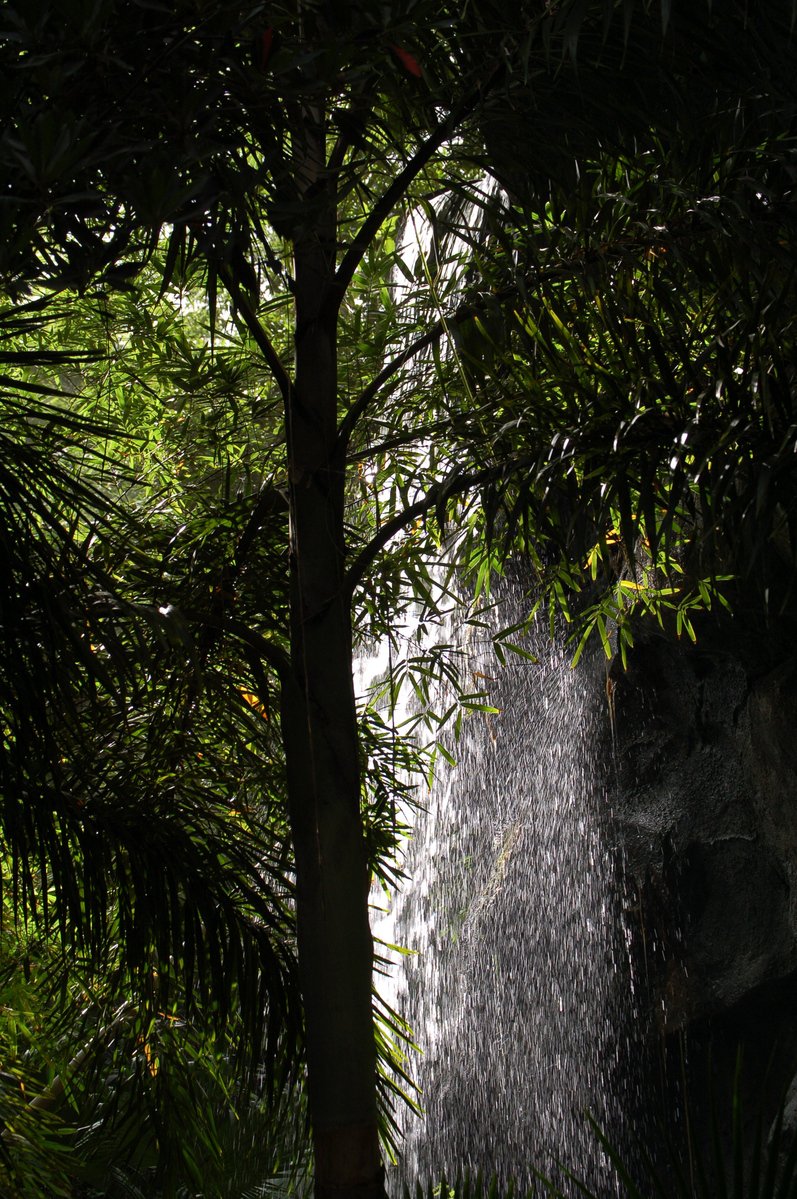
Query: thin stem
(369, 394)
(274, 655)
(262, 339)
(398, 188)
(437, 495)
(419, 433)
(270, 501)
(435, 332)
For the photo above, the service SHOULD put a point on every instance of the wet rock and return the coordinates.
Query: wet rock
(705, 801)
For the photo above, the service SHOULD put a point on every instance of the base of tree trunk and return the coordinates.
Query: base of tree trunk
(370, 1190)
(348, 1164)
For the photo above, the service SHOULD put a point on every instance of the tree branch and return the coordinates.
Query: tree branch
(262, 339)
(270, 501)
(369, 394)
(561, 270)
(351, 122)
(419, 433)
(455, 484)
(274, 655)
(398, 188)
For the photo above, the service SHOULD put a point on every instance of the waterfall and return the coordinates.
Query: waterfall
(518, 986)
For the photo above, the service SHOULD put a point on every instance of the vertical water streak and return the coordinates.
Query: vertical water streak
(518, 988)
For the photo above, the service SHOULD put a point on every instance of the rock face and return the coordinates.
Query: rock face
(705, 803)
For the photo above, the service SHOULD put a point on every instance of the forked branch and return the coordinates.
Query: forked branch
(439, 135)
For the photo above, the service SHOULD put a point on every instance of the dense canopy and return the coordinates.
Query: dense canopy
(313, 316)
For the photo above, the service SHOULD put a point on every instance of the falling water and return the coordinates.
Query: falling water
(518, 988)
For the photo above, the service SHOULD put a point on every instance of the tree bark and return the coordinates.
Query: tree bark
(320, 728)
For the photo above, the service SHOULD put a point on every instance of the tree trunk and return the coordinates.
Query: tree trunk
(320, 730)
